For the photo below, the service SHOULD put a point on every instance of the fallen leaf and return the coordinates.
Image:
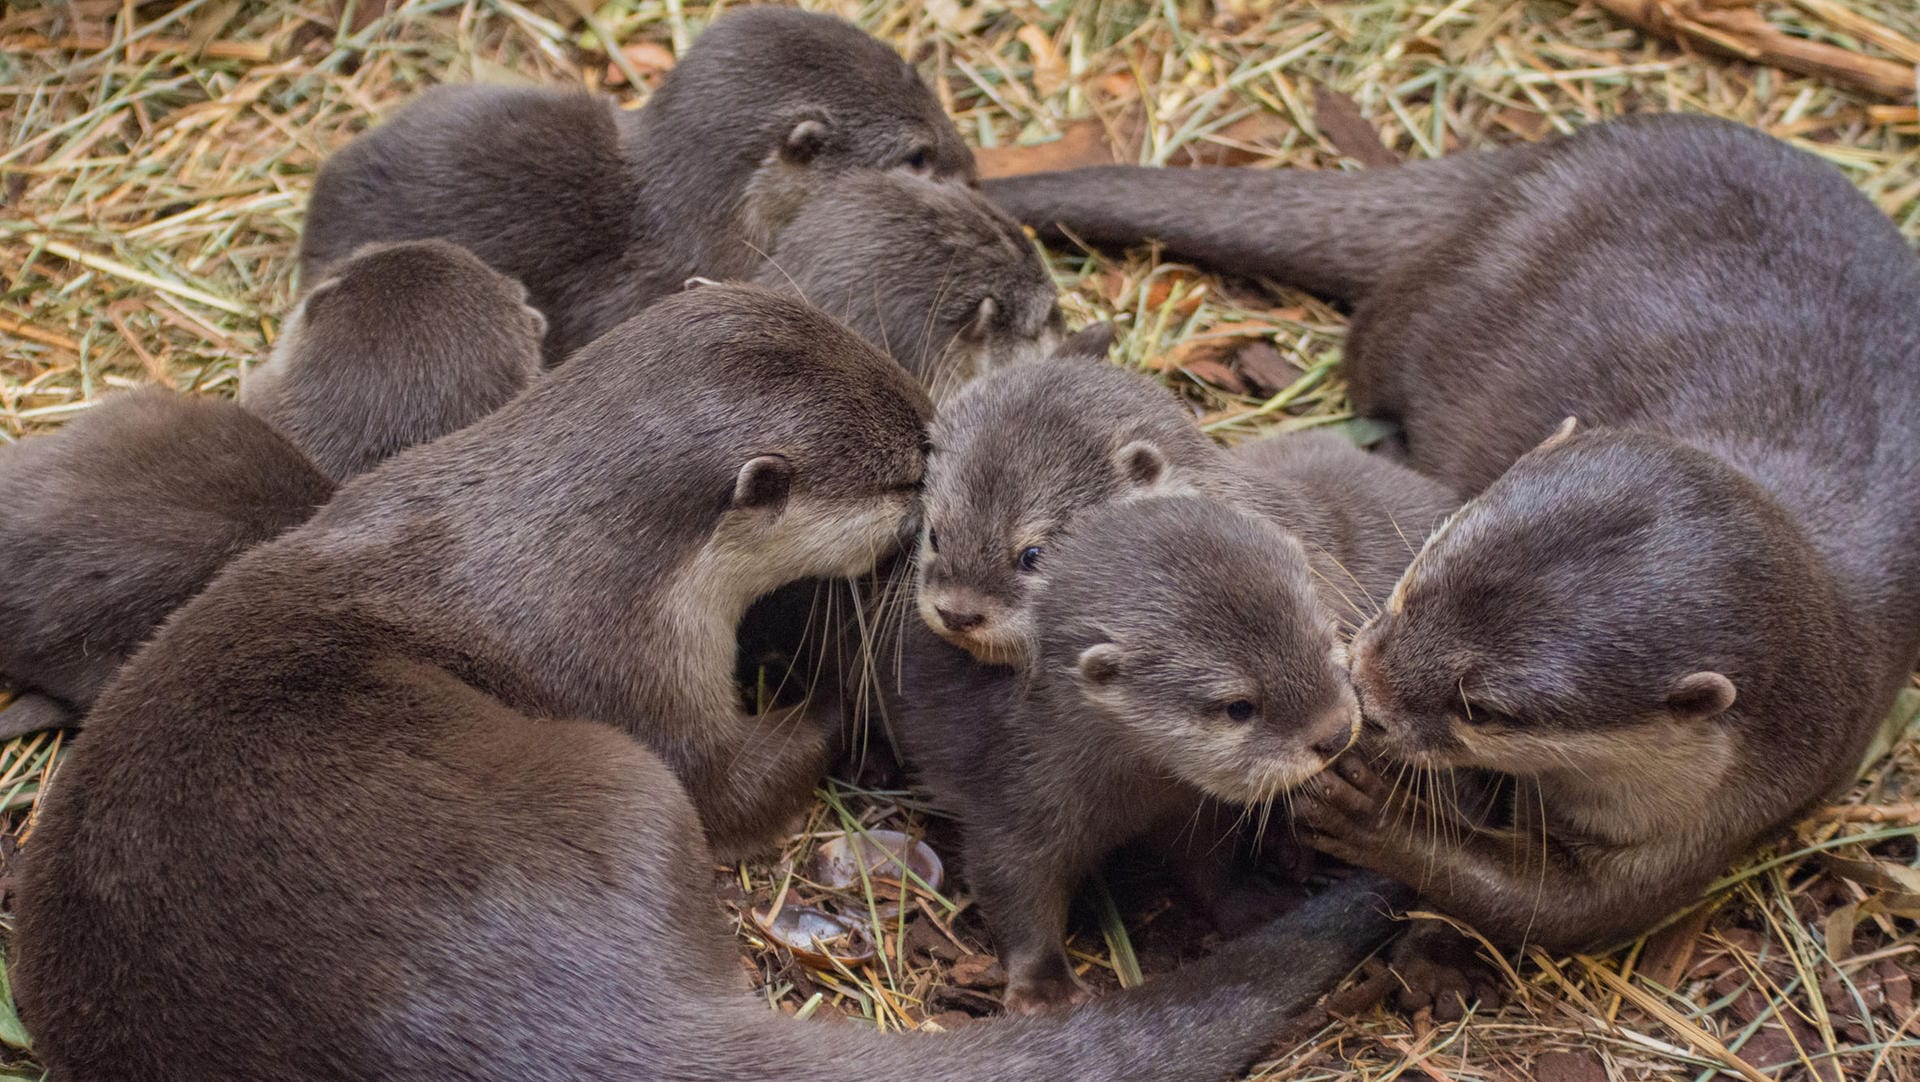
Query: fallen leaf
(1216, 373)
(1049, 68)
(1569, 1067)
(1264, 367)
(978, 971)
(1339, 119)
(649, 58)
(1670, 951)
(1081, 143)
(1230, 145)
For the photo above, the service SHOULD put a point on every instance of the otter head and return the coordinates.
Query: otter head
(1613, 593)
(400, 344)
(767, 81)
(1016, 455)
(799, 451)
(932, 273)
(1194, 631)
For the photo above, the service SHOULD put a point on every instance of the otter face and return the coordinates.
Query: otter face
(1194, 632)
(1016, 456)
(1600, 598)
(932, 273)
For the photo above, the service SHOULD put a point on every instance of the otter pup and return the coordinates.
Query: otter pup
(406, 343)
(1015, 455)
(1677, 626)
(1185, 652)
(126, 512)
(370, 807)
(600, 212)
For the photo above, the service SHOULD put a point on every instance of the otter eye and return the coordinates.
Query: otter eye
(933, 541)
(1482, 717)
(1241, 710)
(1030, 559)
(919, 160)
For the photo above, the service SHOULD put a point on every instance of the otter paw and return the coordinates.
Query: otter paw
(1040, 995)
(1443, 971)
(1341, 805)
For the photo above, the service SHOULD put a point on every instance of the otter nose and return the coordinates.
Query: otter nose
(960, 621)
(1332, 744)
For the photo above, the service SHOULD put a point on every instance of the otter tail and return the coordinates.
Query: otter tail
(1205, 1023)
(31, 713)
(1334, 233)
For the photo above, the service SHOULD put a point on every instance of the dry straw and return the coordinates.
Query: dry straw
(153, 173)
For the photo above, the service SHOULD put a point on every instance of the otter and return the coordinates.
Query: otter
(118, 519)
(126, 512)
(1015, 455)
(409, 341)
(1117, 724)
(371, 804)
(934, 274)
(1674, 627)
(600, 212)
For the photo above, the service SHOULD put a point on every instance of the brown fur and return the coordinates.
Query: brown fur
(598, 212)
(1676, 627)
(352, 809)
(127, 512)
(403, 343)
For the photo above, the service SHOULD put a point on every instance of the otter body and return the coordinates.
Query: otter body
(598, 212)
(1678, 625)
(1020, 459)
(365, 818)
(124, 514)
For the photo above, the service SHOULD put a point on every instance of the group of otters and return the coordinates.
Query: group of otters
(428, 785)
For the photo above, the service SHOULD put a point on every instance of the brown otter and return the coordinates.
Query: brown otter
(123, 515)
(601, 212)
(405, 343)
(118, 519)
(1183, 653)
(1015, 455)
(350, 805)
(932, 273)
(1676, 627)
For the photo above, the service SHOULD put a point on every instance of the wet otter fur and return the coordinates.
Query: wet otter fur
(1677, 626)
(368, 808)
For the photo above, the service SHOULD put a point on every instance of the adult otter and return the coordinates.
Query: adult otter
(124, 514)
(346, 804)
(1679, 624)
(601, 212)
(1183, 653)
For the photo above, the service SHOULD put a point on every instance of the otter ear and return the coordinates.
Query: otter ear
(536, 319)
(1140, 463)
(804, 142)
(1089, 343)
(763, 483)
(696, 282)
(1560, 435)
(1699, 696)
(1099, 664)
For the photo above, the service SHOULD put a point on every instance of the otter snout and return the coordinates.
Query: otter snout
(976, 624)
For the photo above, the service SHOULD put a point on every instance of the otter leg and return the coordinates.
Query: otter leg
(752, 783)
(1025, 888)
(1516, 886)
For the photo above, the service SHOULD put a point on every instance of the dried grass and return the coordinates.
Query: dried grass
(152, 179)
